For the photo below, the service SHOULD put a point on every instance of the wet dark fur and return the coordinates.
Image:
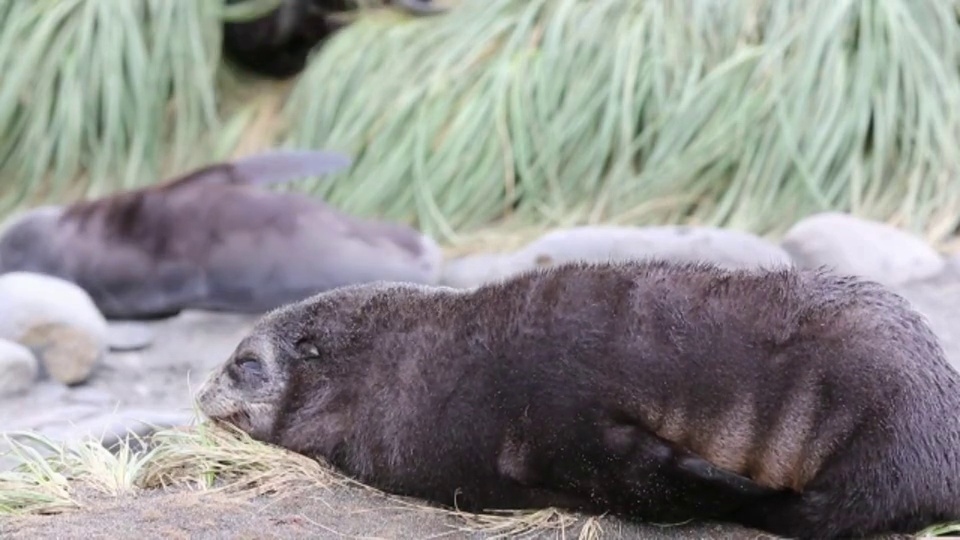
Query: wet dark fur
(623, 388)
(278, 44)
(268, 46)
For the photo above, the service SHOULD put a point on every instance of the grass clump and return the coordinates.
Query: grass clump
(97, 93)
(49, 472)
(210, 456)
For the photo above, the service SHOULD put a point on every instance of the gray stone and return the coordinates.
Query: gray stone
(129, 336)
(868, 249)
(473, 270)
(51, 417)
(726, 248)
(112, 426)
(18, 368)
(57, 320)
(69, 424)
(89, 395)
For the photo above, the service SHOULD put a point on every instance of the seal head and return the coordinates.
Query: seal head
(29, 241)
(248, 388)
(284, 354)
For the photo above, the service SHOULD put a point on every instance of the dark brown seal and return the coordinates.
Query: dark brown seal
(215, 239)
(803, 403)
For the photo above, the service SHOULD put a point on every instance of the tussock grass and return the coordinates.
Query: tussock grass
(748, 114)
(740, 113)
(97, 94)
(948, 530)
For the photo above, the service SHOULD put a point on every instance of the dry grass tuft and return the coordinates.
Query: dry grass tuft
(217, 458)
(520, 524)
(222, 458)
(49, 473)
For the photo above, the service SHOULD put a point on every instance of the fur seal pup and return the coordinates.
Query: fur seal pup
(803, 403)
(214, 239)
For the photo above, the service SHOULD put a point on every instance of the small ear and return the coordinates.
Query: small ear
(307, 349)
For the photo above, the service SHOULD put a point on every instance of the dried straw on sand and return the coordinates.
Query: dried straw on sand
(207, 480)
(207, 472)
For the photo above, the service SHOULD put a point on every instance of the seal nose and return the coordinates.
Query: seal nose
(203, 392)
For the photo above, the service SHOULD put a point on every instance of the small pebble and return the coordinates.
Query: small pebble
(129, 336)
(113, 426)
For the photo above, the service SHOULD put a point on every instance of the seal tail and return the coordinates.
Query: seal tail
(275, 166)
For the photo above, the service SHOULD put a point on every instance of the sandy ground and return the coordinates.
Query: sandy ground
(341, 513)
(162, 378)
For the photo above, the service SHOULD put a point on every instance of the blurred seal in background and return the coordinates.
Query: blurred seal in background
(215, 239)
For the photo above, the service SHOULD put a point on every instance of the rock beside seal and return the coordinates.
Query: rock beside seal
(869, 249)
(724, 247)
(125, 336)
(18, 368)
(57, 320)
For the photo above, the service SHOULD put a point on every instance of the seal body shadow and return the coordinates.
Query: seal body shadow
(214, 239)
(804, 403)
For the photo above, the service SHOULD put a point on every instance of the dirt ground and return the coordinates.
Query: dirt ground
(336, 513)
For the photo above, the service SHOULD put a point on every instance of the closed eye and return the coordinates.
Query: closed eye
(250, 365)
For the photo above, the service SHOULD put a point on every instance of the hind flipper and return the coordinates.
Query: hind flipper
(617, 466)
(265, 168)
(280, 165)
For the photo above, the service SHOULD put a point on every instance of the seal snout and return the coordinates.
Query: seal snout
(212, 398)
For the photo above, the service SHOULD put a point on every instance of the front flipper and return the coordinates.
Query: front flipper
(518, 462)
(702, 471)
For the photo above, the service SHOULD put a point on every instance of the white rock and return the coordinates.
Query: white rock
(57, 320)
(129, 336)
(726, 248)
(472, 270)
(18, 368)
(869, 249)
